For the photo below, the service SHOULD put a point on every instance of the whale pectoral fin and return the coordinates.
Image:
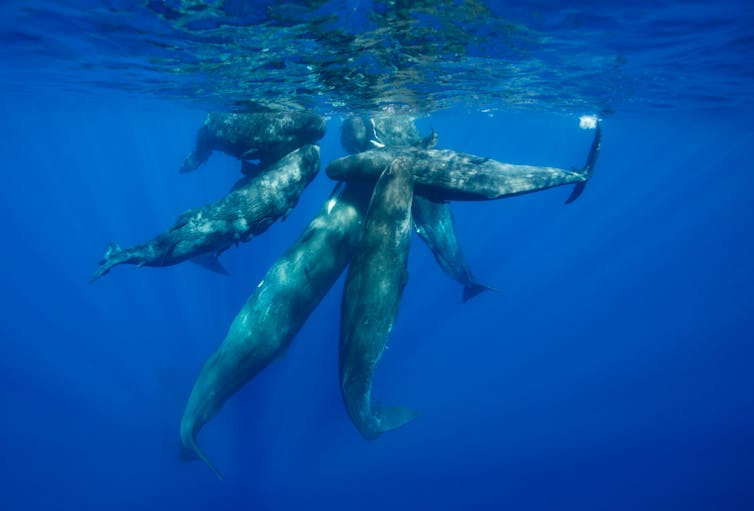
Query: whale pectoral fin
(210, 262)
(474, 288)
(430, 140)
(196, 158)
(184, 218)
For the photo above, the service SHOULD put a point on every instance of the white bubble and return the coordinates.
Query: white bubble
(588, 122)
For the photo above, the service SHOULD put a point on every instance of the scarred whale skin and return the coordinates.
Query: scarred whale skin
(237, 217)
(371, 298)
(263, 136)
(433, 221)
(360, 133)
(275, 312)
(443, 174)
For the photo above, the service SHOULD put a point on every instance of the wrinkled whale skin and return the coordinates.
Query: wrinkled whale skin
(446, 175)
(371, 298)
(235, 218)
(262, 136)
(274, 313)
(433, 221)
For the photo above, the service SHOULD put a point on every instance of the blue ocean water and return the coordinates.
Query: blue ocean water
(612, 369)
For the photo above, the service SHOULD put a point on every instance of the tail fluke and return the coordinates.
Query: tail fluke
(383, 420)
(395, 417)
(113, 255)
(191, 452)
(589, 166)
(473, 288)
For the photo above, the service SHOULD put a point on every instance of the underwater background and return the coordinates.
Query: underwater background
(611, 370)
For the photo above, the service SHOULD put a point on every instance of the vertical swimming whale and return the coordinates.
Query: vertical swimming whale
(275, 312)
(371, 298)
(433, 222)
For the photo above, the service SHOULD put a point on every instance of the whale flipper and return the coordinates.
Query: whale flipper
(429, 141)
(195, 158)
(594, 151)
(210, 262)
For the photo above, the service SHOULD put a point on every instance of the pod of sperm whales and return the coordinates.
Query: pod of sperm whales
(272, 316)
(235, 218)
(371, 298)
(264, 137)
(433, 221)
(443, 174)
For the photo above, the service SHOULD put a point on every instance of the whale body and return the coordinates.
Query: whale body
(235, 218)
(263, 136)
(276, 311)
(371, 298)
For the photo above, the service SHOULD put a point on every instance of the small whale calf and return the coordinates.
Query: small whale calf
(371, 298)
(265, 137)
(235, 218)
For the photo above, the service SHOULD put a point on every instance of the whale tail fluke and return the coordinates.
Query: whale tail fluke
(386, 419)
(113, 255)
(473, 288)
(589, 166)
(394, 417)
(190, 452)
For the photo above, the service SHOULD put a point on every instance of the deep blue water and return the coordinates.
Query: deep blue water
(612, 370)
